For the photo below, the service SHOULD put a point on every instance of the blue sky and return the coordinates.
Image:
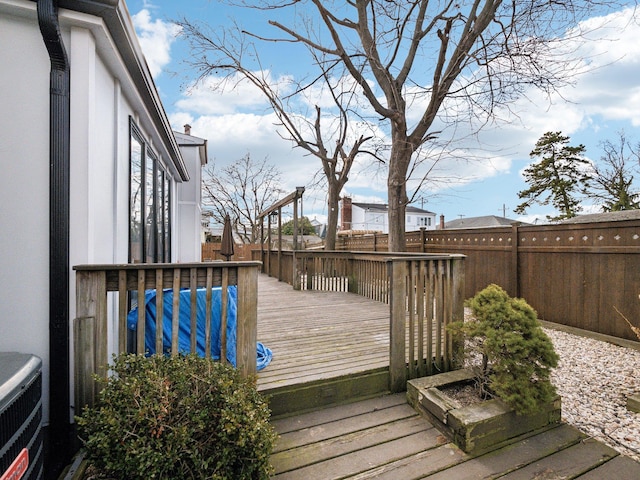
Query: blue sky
(601, 103)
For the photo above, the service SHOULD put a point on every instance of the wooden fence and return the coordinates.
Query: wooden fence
(242, 252)
(572, 274)
(424, 293)
(93, 325)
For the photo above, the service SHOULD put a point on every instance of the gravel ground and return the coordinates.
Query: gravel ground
(594, 379)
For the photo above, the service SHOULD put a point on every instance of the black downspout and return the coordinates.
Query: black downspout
(59, 431)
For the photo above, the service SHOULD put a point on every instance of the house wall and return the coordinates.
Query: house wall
(103, 98)
(357, 218)
(378, 220)
(414, 221)
(24, 186)
(188, 247)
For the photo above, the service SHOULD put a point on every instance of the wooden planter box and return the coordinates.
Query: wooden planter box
(475, 428)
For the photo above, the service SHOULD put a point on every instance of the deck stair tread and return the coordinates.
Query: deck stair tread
(381, 439)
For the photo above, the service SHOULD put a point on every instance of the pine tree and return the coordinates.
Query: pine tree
(558, 178)
(516, 355)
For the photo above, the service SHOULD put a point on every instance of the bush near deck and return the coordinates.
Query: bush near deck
(516, 355)
(178, 417)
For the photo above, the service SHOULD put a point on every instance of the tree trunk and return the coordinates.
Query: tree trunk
(333, 198)
(397, 207)
(397, 195)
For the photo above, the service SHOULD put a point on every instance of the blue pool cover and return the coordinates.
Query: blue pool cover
(184, 330)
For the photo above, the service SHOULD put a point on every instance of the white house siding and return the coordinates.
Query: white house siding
(357, 218)
(103, 98)
(24, 185)
(99, 162)
(374, 218)
(188, 244)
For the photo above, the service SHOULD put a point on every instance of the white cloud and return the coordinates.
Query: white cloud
(156, 37)
(224, 95)
(231, 136)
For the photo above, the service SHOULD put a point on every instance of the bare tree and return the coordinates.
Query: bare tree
(612, 177)
(334, 137)
(420, 64)
(242, 189)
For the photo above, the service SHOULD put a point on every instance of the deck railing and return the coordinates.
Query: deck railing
(424, 292)
(96, 333)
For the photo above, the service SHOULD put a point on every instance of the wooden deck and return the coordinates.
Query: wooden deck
(327, 347)
(332, 349)
(384, 438)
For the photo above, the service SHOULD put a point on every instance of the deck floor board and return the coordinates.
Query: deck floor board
(318, 335)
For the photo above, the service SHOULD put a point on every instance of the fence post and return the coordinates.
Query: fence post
(515, 274)
(397, 313)
(247, 320)
(423, 239)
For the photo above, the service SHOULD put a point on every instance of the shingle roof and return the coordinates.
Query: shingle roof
(383, 207)
(605, 217)
(479, 222)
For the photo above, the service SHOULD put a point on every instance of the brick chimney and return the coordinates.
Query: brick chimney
(441, 227)
(346, 214)
(187, 129)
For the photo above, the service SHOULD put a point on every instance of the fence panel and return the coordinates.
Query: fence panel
(242, 252)
(572, 274)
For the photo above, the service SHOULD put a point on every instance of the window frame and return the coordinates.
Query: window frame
(154, 244)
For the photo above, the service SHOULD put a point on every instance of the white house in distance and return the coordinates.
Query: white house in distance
(374, 217)
(92, 173)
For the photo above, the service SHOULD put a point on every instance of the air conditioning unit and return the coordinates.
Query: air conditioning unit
(21, 445)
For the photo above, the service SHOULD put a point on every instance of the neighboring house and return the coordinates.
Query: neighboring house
(374, 217)
(320, 228)
(91, 174)
(480, 222)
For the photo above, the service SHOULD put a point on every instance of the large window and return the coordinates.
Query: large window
(149, 200)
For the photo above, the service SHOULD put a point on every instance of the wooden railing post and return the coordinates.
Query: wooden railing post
(310, 272)
(397, 325)
(84, 362)
(457, 311)
(352, 278)
(91, 303)
(247, 321)
(298, 271)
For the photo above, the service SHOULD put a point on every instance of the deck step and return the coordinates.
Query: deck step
(295, 399)
(383, 438)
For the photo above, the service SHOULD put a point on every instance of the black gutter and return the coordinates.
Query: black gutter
(59, 430)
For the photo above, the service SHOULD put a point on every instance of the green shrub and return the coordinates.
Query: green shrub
(516, 355)
(178, 417)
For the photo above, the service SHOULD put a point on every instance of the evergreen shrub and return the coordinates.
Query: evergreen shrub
(516, 356)
(180, 417)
